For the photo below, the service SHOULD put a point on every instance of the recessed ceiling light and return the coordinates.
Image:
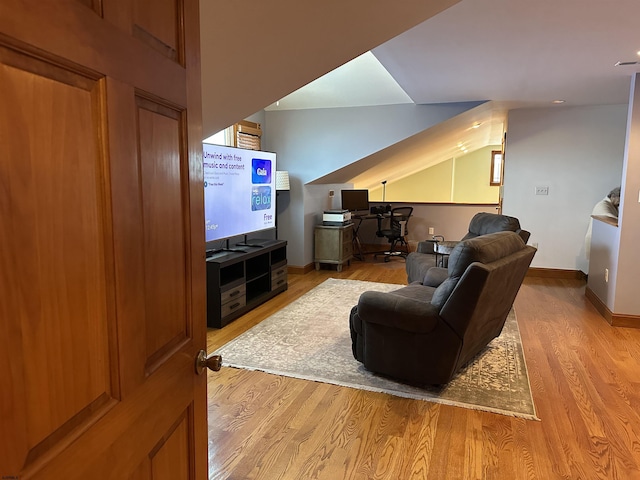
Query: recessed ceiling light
(558, 101)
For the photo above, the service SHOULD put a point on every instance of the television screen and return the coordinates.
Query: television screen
(239, 191)
(355, 200)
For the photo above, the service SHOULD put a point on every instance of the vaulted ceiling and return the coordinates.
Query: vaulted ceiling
(511, 53)
(254, 53)
(504, 50)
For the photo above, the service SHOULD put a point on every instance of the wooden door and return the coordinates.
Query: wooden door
(102, 277)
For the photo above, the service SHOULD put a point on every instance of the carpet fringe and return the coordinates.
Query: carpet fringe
(526, 372)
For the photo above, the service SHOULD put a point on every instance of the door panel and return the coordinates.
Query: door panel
(96, 5)
(168, 461)
(161, 164)
(102, 265)
(55, 279)
(156, 23)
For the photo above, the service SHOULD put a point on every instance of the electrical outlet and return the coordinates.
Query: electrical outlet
(606, 275)
(432, 230)
(542, 190)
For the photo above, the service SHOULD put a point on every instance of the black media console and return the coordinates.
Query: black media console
(243, 278)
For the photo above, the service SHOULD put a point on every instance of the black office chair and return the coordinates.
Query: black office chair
(398, 221)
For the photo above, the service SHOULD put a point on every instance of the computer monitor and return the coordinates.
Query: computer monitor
(355, 200)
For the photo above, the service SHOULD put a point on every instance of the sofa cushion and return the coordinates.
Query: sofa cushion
(416, 291)
(417, 265)
(484, 249)
(484, 223)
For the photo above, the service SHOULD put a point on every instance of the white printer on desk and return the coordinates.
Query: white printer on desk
(336, 218)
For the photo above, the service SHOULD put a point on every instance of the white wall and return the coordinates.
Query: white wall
(312, 143)
(578, 153)
(604, 255)
(299, 211)
(627, 300)
(616, 248)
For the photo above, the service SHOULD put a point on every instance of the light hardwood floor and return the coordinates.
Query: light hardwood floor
(585, 377)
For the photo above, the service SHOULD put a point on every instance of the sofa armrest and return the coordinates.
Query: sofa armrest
(426, 246)
(435, 276)
(398, 312)
(524, 234)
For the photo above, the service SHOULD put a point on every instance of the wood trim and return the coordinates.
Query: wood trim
(598, 304)
(432, 204)
(614, 319)
(371, 248)
(250, 128)
(494, 154)
(95, 5)
(627, 321)
(605, 219)
(532, 272)
(556, 273)
(158, 45)
(39, 62)
(293, 270)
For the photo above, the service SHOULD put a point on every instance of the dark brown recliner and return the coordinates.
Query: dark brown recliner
(482, 223)
(425, 332)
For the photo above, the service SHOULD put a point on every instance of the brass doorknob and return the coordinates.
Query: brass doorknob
(213, 362)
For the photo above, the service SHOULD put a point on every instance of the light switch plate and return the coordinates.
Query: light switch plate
(542, 190)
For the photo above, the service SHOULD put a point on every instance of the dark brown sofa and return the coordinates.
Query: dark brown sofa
(482, 223)
(425, 332)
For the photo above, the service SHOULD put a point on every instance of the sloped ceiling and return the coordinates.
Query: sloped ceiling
(515, 50)
(510, 53)
(254, 53)
(471, 130)
(518, 51)
(359, 83)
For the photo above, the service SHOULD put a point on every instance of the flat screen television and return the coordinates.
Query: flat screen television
(355, 200)
(239, 191)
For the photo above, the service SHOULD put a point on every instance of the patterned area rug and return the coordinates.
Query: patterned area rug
(309, 339)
